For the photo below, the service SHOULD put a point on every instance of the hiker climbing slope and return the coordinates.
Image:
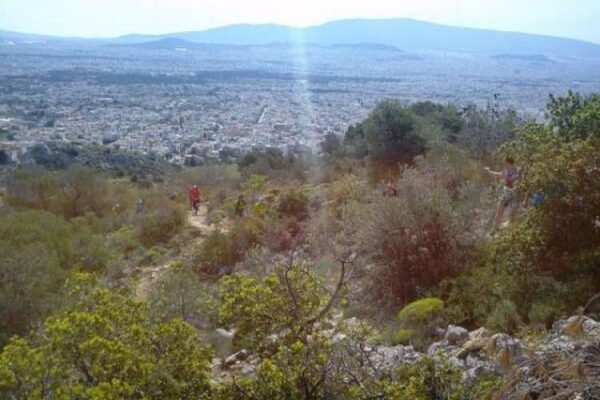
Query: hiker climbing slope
(239, 206)
(195, 197)
(508, 198)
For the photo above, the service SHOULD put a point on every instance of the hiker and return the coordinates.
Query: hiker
(239, 206)
(390, 189)
(537, 199)
(116, 208)
(195, 197)
(508, 198)
(139, 208)
(260, 208)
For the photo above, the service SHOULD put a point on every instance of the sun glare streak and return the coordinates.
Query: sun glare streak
(300, 58)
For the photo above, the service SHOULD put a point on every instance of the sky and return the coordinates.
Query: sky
(579, 19)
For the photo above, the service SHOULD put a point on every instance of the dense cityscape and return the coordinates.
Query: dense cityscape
(192, 102)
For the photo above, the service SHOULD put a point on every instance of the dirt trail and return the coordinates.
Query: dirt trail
(149, 275)
(200, 221)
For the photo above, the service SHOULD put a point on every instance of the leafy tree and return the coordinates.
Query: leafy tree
(30, 286)
(264, 162)
(216, 251)
(559, 236)
(160, 225)
(574, 115)
(37, 252)
(179, 293)
(415, 240)
(552, 253)
(33, 188)
(83, 190)
(104, 346)
(331, 145)
(296, 359)
(387, 136)
(293, 203)
(291, 288)
(484, 130)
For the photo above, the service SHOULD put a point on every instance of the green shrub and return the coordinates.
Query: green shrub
(417, 321)
(245, 234)
(387, 136)
(216, 216)
(504, 317)
(415, 240)
(421, 311)
(179, 293)
(293, 203)
(217, 250)
(160, 226)
(403, 336)
(103, 345)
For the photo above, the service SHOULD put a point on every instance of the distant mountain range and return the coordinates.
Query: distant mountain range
(403, 34)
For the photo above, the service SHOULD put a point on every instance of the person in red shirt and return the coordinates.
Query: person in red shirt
(195, 197)
(390, 189)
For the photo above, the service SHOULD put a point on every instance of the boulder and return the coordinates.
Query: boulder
(476, 372)
(481, 333)
(224, 333)
(236, 358)
(441, 346)
(391, 357)
(456, 335)
(590, 326)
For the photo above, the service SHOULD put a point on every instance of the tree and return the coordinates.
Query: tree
(179, 293)
(293, 203)
(33, 188)
(29, 288)
(296, 359)
(574, 115)
(104, 346)
(559, 236)
(415, 239)
(484, 130)
(331, 145)
(387, 136)
(217, 251)
(83, 190)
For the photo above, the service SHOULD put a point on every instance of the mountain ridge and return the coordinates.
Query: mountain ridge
(403, 33)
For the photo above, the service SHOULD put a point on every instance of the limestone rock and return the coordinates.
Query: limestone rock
(456, 335)
(236, 358)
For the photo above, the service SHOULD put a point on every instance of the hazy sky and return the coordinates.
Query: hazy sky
(569, 18)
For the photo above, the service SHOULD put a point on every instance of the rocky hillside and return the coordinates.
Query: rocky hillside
(565, 362)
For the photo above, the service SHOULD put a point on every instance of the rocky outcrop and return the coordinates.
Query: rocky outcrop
(456, 335)
(564, 366)
(477, 353)
(236, 358)
(388, 358)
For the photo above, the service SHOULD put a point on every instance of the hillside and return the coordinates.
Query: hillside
(428, 252)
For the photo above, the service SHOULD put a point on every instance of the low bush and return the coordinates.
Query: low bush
(159, 226)
(293, 203)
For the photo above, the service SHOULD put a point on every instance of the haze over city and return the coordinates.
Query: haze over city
(108, 18)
